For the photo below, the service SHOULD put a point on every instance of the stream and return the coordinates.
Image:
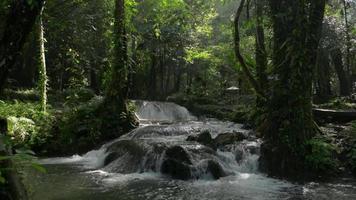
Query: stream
(137, 166)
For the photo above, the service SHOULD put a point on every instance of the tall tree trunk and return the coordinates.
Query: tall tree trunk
(348, 39)
(289, 123)
(261, 54)
(115, 109)
(323, 77)
(19, 23)
(117, 90)
(42, 66)
(153, 78)
(341, 71)
(162, 71)
(178, 79)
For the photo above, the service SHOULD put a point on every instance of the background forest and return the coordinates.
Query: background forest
(83, 60)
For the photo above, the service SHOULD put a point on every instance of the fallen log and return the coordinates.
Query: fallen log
(328, 115)
(13, 189)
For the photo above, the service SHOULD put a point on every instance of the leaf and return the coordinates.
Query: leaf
(2, 179)
(39, 167)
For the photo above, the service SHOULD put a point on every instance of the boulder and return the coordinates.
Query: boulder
(176, 169)
(122, 147)
(177, 163)
(179, 154)
(229, 138)
(239, 155)
(215, 169)
(203, 138)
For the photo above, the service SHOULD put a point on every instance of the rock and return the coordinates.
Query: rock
(229, 138)
(111, 157)
(179, 154)
(176, 169)
(122, 147)
(203, 138)
(177, 163)
(239, 155)
(253, 149)
(215, 169)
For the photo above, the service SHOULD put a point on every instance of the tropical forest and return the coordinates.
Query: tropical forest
(177, 99)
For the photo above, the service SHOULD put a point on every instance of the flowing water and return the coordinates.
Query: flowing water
(129, 168)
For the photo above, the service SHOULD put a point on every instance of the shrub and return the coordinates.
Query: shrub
(321, 156)
(28, 125)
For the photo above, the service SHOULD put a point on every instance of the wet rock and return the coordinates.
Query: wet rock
(111, 157)
(179, 154)
(253, 149)
(176, 169)
(203, 138)
(123, 147)
(177, 163)
(239, 155)
(229, 138)
(215, 169)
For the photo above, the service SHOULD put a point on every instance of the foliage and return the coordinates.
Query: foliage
(339, 103)
(22, 158)
(80, 119)
(28, 125)
(321, 157)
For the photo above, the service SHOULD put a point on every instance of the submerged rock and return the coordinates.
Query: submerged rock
(229, 138)
(203, 138)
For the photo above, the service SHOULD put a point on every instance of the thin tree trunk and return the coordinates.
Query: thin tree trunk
(248, 9)
(153, 78)
(42, 66)
(238, 54)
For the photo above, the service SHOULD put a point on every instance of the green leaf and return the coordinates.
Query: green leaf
(39, 167)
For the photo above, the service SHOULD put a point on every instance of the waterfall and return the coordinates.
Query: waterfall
(162, 111)
(165, 147)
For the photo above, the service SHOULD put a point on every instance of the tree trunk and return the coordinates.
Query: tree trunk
(342, 73)
(348, 39)
(261, 54)
(115, 109)
(42, 66)
(323, 77)
(20, 21)
(289, 123)
(153, 78)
